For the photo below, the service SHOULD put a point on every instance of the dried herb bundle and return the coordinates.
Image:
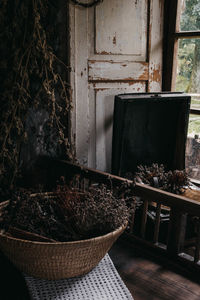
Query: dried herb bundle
(156, 175)
(68, 214)
(31, 82)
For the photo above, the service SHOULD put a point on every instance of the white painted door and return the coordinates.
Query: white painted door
(115, 48)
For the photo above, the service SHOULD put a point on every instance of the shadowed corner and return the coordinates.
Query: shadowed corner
(13, 285)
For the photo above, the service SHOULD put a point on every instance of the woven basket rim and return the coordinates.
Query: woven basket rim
(94, 239)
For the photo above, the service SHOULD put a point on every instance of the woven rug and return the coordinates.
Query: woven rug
(103, 282)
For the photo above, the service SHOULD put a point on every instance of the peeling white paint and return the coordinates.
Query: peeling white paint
(120, 27)
(108, 55)
(104, 121)
(155, 43)
(108, 70)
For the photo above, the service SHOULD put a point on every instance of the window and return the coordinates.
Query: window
(181, 67)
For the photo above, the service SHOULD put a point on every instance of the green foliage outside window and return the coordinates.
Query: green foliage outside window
(188, 71)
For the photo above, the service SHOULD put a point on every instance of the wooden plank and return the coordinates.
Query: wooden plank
(92, 127)
(120, 28)
(182, 233)
(144, 218)
(192, 194)
(182, 261)
(155, 45)
(144, 191)
(168, 199)
(104, 108)
(117, 71)
(149, 279)
(132, 220)
(187, 34)
(176, 232)
(98, 35)
(169, 47)
(104, 127)
(78, 77)
(197, 248)
(195, 111)
(157, 223)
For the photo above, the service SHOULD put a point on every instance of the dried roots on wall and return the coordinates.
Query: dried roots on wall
(35, 95)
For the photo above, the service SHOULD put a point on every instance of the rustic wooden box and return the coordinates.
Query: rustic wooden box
(149, 128)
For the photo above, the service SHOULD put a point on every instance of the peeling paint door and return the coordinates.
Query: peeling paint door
(115, 48)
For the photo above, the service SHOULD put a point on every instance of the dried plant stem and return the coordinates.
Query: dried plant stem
(32, 81)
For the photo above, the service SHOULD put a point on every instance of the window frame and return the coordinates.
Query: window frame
(170, 45)
(170, 49)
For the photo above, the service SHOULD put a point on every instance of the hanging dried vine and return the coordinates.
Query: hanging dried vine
(30, 80)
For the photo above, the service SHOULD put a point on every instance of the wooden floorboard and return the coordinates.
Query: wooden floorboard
(149, 280)
(145, 278)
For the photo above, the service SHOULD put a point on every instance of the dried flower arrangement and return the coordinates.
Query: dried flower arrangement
(155, 175)
(68, 213)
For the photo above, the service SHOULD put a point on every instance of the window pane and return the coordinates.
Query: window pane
(188, 69)
(195, 104)
(187, 80)
(194, 126)
(190, 15)
(193, 148)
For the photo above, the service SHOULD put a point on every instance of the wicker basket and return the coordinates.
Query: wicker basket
(57, 260)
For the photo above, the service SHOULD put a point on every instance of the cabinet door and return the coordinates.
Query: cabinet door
(115, 47)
